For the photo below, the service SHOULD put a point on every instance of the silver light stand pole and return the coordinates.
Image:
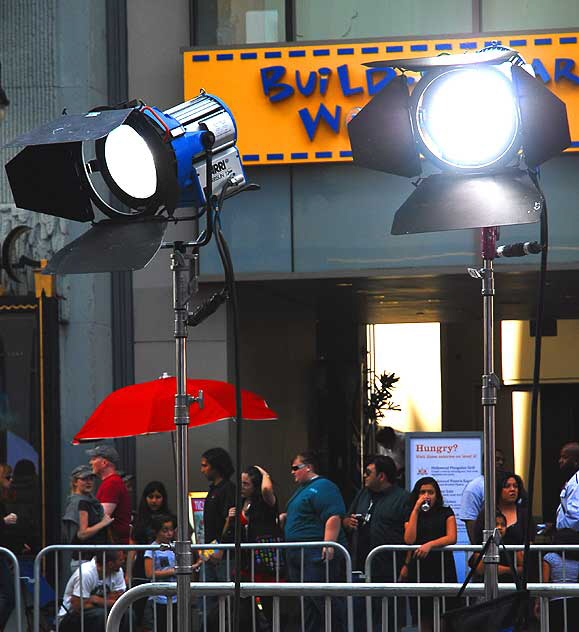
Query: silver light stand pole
(181, 295)
(490, 385)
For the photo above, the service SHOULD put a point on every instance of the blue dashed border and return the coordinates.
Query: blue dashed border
(297, 155)
(364, 49)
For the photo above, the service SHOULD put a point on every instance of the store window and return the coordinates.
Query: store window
(238, 22)
(518, 15)
(20, 427)
(350, 19)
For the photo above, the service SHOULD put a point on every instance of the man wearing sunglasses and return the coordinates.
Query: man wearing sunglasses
(376, 516)
(314, 514)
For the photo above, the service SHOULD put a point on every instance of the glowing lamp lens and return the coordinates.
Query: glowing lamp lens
(130, 162)
(468, 118)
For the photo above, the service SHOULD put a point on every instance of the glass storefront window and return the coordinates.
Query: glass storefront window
(518, 15)
(238, 22)
(349, 19)
(20, 432)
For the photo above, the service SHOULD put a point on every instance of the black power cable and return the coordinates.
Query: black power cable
(536, 374)
(230, 287)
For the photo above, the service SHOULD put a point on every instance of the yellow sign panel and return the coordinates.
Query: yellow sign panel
(291, 103)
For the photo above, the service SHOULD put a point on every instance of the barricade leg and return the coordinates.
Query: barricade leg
(7, 592)
(314, 570)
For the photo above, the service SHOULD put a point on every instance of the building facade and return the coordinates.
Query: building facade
(312, 250)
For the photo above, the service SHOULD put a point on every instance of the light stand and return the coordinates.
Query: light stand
(493, 187)
(152, 162)
(490, 385)
(181, 296)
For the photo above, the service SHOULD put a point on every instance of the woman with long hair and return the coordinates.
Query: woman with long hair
(6, 492)
(511, 499)
(153, 503)
(259, 523)
(432, 526)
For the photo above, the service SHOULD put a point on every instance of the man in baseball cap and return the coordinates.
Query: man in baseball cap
(105, 451)
(112, 493)
(82, 472)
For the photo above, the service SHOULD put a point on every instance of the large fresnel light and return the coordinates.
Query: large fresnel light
(482, 119)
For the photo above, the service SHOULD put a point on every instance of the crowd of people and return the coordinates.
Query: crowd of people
(382, 512)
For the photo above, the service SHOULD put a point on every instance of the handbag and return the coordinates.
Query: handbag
(267, 559)
(508, 613)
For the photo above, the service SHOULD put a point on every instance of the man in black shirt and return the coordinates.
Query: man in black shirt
(217, 468)
(376, 516)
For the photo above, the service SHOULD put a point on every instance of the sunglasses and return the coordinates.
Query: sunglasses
(301, 466)
(368, 472)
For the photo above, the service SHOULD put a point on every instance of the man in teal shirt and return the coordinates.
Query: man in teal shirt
(314, 513)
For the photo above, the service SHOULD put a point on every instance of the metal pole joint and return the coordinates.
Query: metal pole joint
(487, 276)
(182, 404)
(183, 558)
(490, 387)
(492, 554)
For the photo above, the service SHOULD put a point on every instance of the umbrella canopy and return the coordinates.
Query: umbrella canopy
(148, 408)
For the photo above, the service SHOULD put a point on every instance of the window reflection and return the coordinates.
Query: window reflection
(20, 432)
(223, 22)
(349, 19)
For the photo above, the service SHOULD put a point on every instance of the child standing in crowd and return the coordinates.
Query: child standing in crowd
(153, 503)
(504, 569)
(160, 566)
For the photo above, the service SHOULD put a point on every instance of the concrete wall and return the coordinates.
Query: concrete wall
(278, 356)
(313, 220)
(155, 354)
(53, 56)
(278, 351)
(157, 31)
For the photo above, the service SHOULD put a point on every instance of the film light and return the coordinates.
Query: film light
(482, 119)
(137, 165)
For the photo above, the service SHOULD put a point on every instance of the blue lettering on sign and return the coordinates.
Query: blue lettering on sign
(325, 74)
(385, 77)
(270, 81)
(563, 70)
(312, 124)
(344, 77)
(317, 82)
(310, 84)
(541, 71)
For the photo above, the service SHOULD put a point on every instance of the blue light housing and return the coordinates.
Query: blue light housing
(151, 161)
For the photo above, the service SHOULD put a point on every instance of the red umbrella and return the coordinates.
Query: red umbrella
(147, 408)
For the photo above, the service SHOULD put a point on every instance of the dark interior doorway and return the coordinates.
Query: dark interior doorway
(559, 424)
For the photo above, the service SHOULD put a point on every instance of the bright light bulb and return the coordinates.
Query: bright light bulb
(130, 162)
(468, 118)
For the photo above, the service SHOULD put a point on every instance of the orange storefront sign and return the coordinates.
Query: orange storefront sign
(291, 103)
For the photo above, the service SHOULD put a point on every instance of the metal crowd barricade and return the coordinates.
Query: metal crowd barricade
(468, 549)
(74, 548)
(370, 590)
(224, 604)
(281, 546)
(225, 589)
(17, 586)
(396, 549)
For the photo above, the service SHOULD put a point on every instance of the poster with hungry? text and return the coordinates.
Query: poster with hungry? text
(453, 459)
